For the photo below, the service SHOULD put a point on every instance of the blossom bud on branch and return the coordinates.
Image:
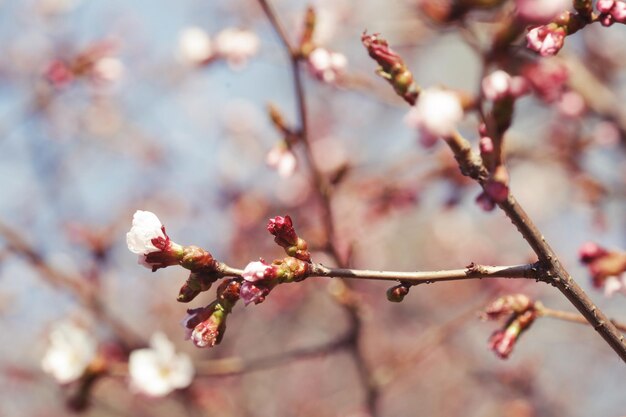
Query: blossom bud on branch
(286, 237)
(392, 67)
(522, 312)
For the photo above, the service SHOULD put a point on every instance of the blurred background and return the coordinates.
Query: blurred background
(107, 107)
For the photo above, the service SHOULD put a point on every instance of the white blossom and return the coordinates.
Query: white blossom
(496, 85)
(614, 284)
(159, 370)
(70, 352)
(237, 46)
(326, 65)
(255, 271)
(146, 227)
(281, 159)
(436, 113)
(194, 45)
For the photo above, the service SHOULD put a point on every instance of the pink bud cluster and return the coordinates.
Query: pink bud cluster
(391, 67)
(607, 268)
(611, 11)
(286, 237)
(520, 313)
(547, 40)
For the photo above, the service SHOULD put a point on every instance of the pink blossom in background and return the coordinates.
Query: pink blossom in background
(541, 11)
(194, 46)
(326, 66)
(571, 104)
(615, 284)
(282, 160)
(496, 85)
(436, 114)
(159, 370)
(237, 46)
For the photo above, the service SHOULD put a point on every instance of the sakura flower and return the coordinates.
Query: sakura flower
(108, 70)
(194, 46)
(282, 159)
(147, 238)
(257, 271)
(436, 114)
(71, 351)
(159, 370)
(253, 293)
(326, 66)
(611, 11)
(237, 46)
(546, 40)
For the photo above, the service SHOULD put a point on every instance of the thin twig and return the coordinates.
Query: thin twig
(573, 317)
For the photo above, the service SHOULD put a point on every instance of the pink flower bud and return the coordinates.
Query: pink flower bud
(502, 342)
(486, 145)
(546, 40)
(282, 228)
(605, 6)
(485, 202)
(257, 271)
(507, 304)
(619, 11)
(209, 332)
(591, 251)
(253, 293)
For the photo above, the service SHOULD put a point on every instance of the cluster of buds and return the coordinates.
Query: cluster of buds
(260, 277)
(391, 67)
(606, 267)
(285, 236)
(611, 11)
(548, 39)
(205, 326)
(520, 313)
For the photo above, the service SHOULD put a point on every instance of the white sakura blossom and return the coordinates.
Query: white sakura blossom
(70, 352)
(326, 65)
(436, 113)
(146, 227)
(281, 159)
(194, 45)
(237, 46)
(159, 370)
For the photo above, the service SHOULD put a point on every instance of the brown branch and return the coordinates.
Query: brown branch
(550, 267)
(572, 317)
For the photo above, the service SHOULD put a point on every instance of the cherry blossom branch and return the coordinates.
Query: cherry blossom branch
(550, 266)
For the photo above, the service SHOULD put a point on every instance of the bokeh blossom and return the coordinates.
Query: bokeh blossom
(71, 351)
(159, 370)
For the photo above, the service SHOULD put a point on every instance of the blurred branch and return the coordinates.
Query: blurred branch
(323, 189)
(572, 317)
(88, 295)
